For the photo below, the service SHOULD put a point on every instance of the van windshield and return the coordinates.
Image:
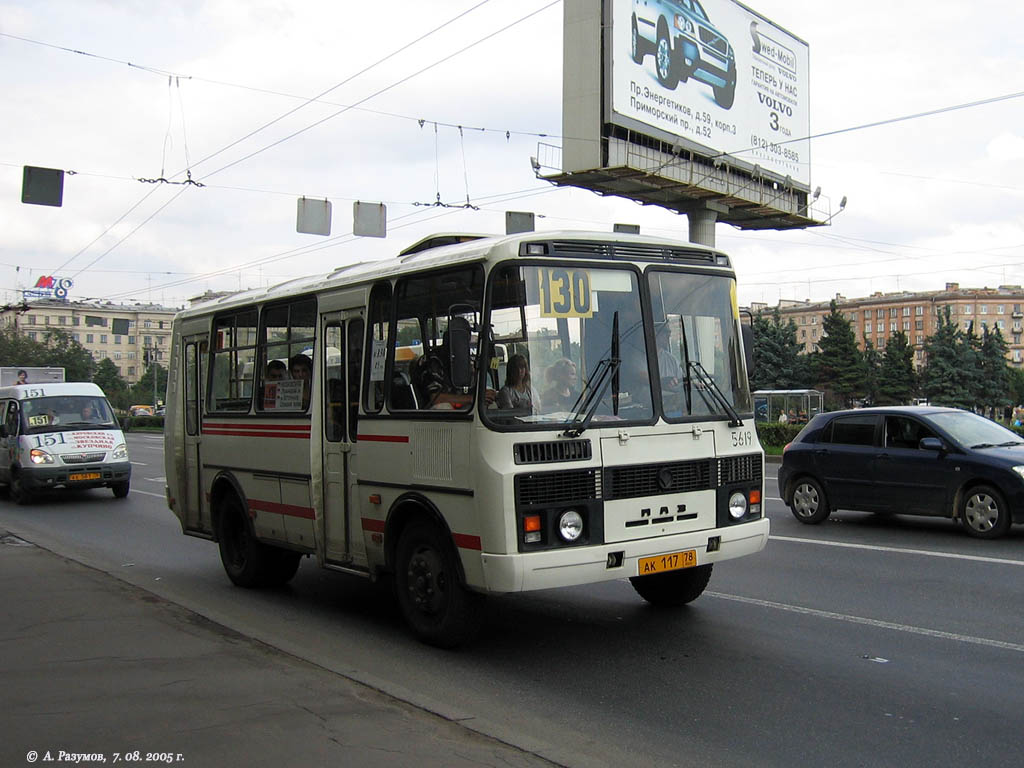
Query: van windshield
(66, 412)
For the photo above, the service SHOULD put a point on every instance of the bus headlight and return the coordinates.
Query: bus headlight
(737, 505)
(121, 452)
(40, 457)
(570, 525)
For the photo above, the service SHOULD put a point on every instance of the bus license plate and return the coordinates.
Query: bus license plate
(673, 561)
(84, 476)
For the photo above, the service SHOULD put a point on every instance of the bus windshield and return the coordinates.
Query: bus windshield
(700, 355)
(567, 344)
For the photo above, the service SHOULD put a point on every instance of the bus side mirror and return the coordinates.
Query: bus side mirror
(747, 331)
(458, 353)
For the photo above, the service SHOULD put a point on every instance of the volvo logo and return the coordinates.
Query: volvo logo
(664, 478)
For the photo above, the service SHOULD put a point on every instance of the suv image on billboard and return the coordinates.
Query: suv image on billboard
(685, 44)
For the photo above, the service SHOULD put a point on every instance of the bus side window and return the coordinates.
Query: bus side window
(335, 407)
(377, 347)
(354, 358)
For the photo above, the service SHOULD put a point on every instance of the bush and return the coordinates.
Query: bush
(775, 434)
(129, 423)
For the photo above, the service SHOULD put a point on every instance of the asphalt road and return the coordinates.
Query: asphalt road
(865, 641)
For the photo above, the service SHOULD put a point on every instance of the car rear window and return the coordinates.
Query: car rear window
(851, 430)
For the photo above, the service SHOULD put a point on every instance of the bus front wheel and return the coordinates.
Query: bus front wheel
(433, 600)
(247, 561)
(673, 588)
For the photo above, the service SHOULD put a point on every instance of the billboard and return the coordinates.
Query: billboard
(712, 77)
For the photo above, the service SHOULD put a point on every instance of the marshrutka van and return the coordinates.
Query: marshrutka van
(60, 436)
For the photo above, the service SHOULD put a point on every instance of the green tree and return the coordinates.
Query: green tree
(56, 350)
(109, 379)
(897, 381)
(839, 366)
(142, 392)
(778, 363)
(872, 367)
(1015, 385)
(944, 380)
(994, 386)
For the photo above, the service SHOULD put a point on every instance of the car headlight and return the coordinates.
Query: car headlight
(121, 452)
(570, 525)
(40, 457)
(683, 24)
(1019, 469)
(737, 505)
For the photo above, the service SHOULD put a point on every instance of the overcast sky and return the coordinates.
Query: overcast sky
(931, 200)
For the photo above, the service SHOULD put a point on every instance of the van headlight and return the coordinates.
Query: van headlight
(38, 456)
(121, 452)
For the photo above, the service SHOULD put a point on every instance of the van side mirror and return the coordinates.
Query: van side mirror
(3, 430)
(931, 444)
(458, 353)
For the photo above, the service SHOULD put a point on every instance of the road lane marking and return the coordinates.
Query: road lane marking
(139, 464)
(147, 493)
(901, 550)
(156, 479)
(872, 622)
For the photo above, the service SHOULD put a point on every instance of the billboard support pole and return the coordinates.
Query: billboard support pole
(702, 225)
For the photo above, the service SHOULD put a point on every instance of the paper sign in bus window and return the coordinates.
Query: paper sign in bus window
(283, 395)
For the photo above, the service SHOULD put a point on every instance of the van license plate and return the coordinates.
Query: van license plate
(84, 476)
(673, 561)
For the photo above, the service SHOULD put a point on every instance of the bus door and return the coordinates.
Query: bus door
(342, 338)
(195, 515)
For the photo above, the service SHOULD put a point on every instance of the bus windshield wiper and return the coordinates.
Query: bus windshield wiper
(705, 379)
(590, 398)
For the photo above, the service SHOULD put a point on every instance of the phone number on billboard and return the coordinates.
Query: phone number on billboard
(757, 142)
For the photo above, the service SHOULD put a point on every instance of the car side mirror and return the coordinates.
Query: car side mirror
(931, 444)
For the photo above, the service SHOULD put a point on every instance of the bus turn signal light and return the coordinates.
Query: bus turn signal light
(531, 529)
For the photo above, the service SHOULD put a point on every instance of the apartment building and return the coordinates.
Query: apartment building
(127, 335)
(877, 317)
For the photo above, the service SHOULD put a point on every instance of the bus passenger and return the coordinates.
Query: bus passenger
(561, 394)
(276, 371)
(518, 391)
(300, 368)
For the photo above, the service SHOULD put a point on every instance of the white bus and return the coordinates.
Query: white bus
(633, 457)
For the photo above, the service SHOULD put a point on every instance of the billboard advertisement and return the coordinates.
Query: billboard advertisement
(713, 77)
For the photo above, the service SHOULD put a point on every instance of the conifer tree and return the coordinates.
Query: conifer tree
(897, 381)
(839, 366)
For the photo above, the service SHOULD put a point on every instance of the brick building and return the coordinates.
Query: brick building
(877, 317)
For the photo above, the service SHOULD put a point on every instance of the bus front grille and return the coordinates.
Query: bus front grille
(739, 469)
(632, 482)
(560, 450)
(557, 487)
(83, 458)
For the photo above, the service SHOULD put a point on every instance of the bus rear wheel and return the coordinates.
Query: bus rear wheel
(673, 588)
(433, 600)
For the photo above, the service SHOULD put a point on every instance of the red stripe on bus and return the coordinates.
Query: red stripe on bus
(464, 541)
(383, 438)
(256, 425)
(246, 433)
(291, 510)
(377, 526)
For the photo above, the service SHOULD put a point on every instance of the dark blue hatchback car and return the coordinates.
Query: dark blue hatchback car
(914, 460)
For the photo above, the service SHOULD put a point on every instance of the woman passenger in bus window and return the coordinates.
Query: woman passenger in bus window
(300, 368)
(276, 371)
(518, 391)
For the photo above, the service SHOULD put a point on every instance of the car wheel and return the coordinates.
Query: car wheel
(808, 502)
(636, 44)
(433, 600)
(673, 588)
(984, 512)
(724, 97)
(19, 494)
(121, 489)
(663, 59)
(245, 559)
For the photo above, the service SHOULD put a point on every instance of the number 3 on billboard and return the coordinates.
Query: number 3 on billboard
(565, 293)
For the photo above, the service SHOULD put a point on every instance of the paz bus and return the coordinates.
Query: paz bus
(383, 450)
